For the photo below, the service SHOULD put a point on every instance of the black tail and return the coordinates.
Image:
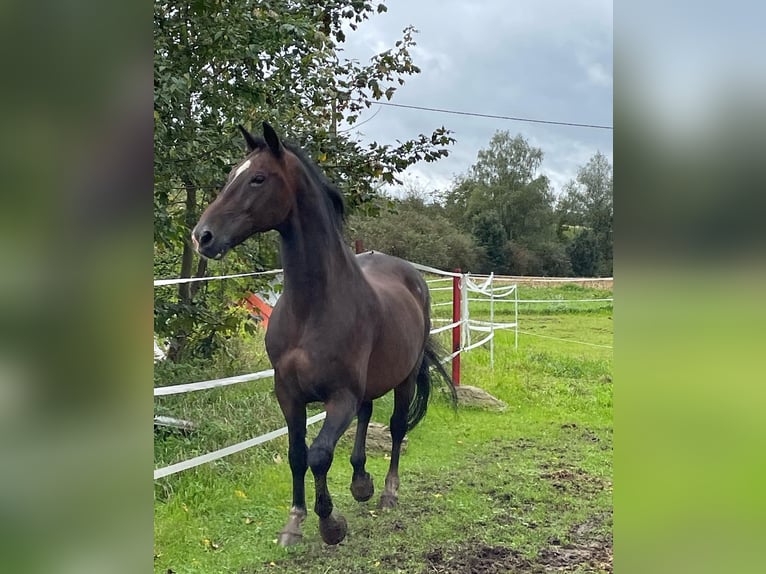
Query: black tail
(419, 404)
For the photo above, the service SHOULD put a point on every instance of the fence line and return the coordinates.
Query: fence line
(202, 385)
(445, 327)
(433, 270)
(565, 340)
(525, 279)
(477, 299)
(226, 451)
(161, 282)
(466, 324)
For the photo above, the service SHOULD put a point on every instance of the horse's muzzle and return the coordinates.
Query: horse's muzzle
(206, 244)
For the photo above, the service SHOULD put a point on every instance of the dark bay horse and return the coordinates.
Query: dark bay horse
(346, 330)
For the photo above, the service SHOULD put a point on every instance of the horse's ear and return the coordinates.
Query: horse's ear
(272, 139)
(251, 143)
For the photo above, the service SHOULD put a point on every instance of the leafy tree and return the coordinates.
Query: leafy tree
(587, 202)
(583, 253)
(419, 232)
(487, 227)
(554, 259)
(218, 63)
(504, 199)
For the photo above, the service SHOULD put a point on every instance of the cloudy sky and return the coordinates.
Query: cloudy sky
(544, 59)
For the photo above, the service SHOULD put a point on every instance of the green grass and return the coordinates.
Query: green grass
(519, 490)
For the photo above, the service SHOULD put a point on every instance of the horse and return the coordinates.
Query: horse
(346, 330)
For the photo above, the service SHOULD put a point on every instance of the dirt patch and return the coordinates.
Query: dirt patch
(586, 550)
(582, 531)
(596, 556)
(478, 558)
(573, 480)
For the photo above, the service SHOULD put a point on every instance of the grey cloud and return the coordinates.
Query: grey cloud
(542, 60)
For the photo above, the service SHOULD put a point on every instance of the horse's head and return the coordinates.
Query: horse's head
(258, 196)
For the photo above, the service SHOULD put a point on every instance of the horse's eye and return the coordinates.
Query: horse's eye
(258, 179)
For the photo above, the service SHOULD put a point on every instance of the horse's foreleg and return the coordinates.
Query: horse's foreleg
(361, 482)
(340, 411)
(398, 424)
(295, 415)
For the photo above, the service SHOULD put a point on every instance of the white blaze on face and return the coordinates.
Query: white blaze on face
(242, 168)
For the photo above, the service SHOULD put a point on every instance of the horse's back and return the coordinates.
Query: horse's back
(387, 271)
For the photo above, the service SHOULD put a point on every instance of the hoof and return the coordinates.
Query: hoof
(387, 501)
(333, 528)
(362, 489)
(291, 533)
(289, 538)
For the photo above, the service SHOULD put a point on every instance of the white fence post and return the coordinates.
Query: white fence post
(492, 320)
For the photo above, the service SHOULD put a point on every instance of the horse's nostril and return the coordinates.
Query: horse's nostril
(205, 237)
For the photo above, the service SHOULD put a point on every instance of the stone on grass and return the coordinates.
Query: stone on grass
(468, 396)
(378, 438)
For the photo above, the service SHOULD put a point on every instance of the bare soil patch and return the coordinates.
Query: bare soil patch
(479, 558)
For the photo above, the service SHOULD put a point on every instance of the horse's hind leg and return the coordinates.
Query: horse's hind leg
(361, 482)
(403, 395)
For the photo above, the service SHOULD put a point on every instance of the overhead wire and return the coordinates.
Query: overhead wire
(498, 117)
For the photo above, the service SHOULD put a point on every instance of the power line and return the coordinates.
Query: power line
(360, 123)
(515, 119)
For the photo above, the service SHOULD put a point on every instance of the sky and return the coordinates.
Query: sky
(542, 59)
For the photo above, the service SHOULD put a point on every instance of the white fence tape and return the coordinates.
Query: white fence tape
(433, 270)
(475, 323)
(488, 328)
(479, 343)
(216, 454)
(161, 282)
(202, 385)
(448, 358)
(566, 340)
(548, 300)
(525, 278)
(446, 327)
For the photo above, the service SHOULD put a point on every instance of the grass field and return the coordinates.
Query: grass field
(524, 490)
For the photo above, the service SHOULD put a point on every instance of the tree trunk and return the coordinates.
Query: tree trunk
(187, 291)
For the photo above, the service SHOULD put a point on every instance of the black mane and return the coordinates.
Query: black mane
(332, 194)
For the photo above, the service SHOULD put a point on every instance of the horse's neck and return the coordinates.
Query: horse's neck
(314, 258)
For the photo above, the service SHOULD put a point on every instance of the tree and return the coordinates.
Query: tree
(504, 199)
(587, 205)
(218, 63)
(487, 227)
(583, 253)
(416, 231)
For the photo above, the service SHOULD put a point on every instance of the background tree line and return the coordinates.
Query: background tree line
(503, 216)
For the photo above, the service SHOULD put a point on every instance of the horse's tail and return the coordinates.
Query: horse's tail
(419, 403)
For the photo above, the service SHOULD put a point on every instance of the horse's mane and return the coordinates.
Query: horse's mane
(333, 196)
